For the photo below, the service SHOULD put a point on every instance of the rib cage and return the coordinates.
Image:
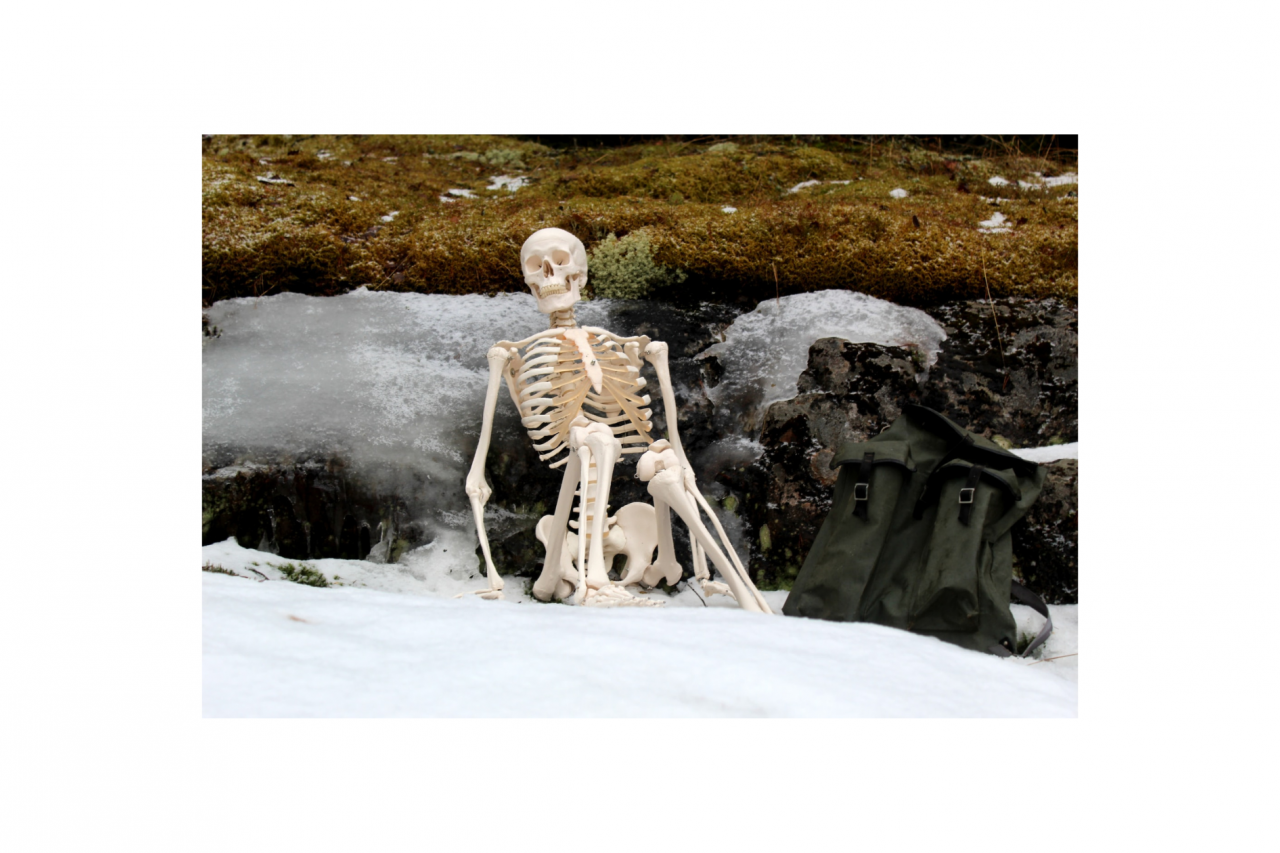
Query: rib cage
(553, 387)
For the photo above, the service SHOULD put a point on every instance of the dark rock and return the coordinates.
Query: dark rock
(1045, 542)
(1025, 392)
(851, 392)
(304, 511)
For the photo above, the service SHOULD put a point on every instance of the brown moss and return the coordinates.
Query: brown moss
(313, 237)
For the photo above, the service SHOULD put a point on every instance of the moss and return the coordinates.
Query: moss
(313, 237)
(730, 503)
(766, 540)
(300, 573)
(219, 570)
(625, 269)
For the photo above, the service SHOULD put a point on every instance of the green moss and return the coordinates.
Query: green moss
(210, 567)
(300, 573)
(730, 503)
(766, 540)
(625, 268)
(313, 237)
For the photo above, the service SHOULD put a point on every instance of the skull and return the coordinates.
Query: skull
(555, 268)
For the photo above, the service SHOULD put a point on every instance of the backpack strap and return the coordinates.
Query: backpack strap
(862, 487)
(967, 492)
(1037, 604)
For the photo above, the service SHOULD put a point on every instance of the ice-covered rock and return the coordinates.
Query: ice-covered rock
(392, 383)
(765, 350)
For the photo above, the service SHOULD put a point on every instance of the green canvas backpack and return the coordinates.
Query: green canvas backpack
(918, 536)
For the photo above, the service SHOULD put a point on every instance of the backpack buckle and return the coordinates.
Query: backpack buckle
(860, 491)
(966, 495)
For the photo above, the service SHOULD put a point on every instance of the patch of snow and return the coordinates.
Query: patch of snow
(842, 182)
(273, 178)
(462, 193)
(280, 649)
(324, 155)
(1050, 453)
(765, 350)
(730, 451)
(995, 225)
(390, 216)
(390, 159)
(997, 181)
(728, 209)
(352, 198)
(512, 184)
(1045, 183)
(898, 193)
(802, 185)
(446, 198)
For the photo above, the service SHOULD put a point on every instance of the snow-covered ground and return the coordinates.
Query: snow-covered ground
(390, 640)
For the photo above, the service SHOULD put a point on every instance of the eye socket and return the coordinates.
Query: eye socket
(533, 263)
(559, 257)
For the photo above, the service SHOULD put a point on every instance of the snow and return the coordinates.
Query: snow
(462, 193)
(803, 185)
(997, 224)
(765, 350)
(1052, 453)
(997, 181)
(390, 216)
(898, 193)
(497, 182)
(728, 209)
(1042, 182)
(279, 649)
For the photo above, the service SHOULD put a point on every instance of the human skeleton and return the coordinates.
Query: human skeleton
(581, 397)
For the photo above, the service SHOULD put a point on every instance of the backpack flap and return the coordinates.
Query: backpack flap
(859, 461)
(873, 476)
(956, 584)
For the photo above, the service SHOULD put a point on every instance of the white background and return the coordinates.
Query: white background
(103, 742)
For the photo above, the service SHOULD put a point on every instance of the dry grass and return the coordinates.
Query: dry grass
(309, 236)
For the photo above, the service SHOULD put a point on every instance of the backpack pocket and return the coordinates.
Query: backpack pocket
(830, 584)
(964, 498)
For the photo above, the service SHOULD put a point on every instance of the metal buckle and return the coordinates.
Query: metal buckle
(860, 491)
(966, 499)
